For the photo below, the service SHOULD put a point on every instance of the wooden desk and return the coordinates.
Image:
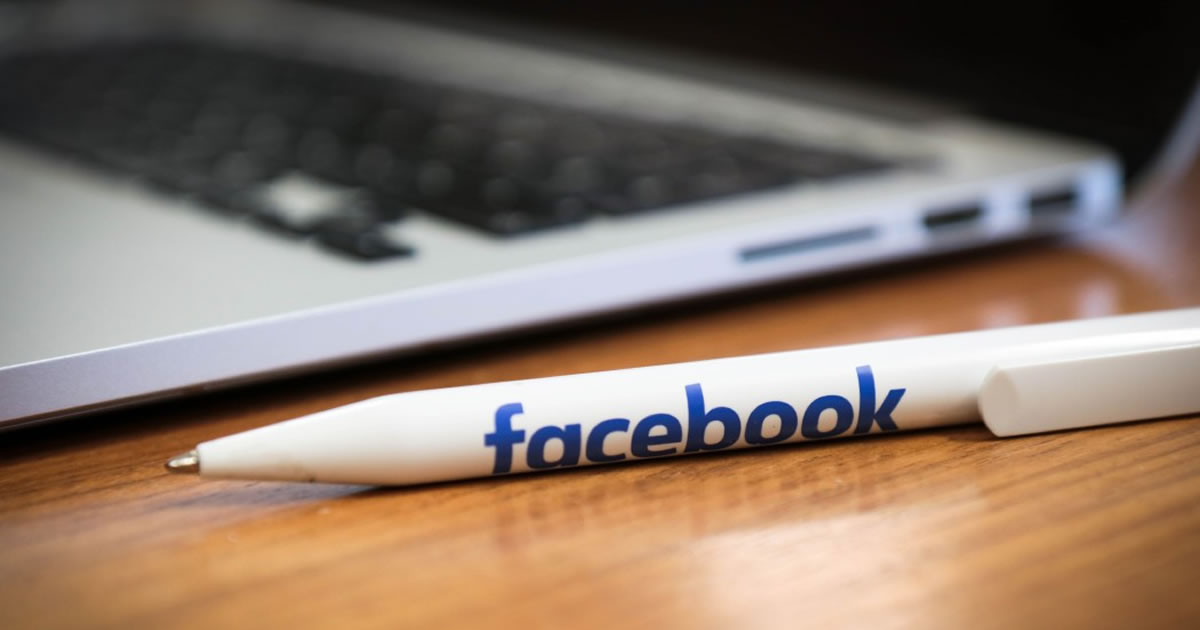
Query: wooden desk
(947, 528)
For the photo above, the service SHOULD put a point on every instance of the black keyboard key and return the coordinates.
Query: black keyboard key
(394, 180)
(240, 170)
(436, 181)
(268, 135)
(581, 135)
(712, 176)
(578, 175)
(324, 153)
(361, 241)
(517, 158)
(397, 126)
(298, 204)
(384, 172)
(344, 113)
(168, 112)
(456, 143)
(505, 206)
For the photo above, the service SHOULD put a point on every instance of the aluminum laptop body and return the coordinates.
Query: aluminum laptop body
(115, 291)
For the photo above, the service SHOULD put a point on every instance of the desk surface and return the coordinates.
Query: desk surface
(941, 528)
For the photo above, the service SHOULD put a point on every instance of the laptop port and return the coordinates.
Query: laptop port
(951, 217)
(806, 244)
(1054, 202)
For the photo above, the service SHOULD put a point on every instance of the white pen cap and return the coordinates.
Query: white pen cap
(1108, 383)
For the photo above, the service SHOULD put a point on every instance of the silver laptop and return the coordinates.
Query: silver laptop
(208, 193)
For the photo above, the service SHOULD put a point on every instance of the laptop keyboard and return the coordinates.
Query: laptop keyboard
(337, 155)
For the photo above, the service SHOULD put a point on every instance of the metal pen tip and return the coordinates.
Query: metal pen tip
(188, 462)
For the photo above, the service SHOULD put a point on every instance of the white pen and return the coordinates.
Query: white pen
(1020, 380)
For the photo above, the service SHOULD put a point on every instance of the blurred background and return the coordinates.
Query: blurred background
(1120, 73)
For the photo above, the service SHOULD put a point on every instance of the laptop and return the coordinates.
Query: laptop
(200, 194)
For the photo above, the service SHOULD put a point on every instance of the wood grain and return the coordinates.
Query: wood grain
(946, 528)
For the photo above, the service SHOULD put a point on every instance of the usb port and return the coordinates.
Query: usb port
(1056, 201)
(953, 217)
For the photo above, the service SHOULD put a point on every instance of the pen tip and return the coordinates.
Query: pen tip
(188, 462)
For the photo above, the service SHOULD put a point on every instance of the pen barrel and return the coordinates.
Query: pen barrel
(652, 412)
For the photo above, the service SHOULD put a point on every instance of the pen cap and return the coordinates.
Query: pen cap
(1091, 389)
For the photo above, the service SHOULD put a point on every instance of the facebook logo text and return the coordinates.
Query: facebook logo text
(661, 434)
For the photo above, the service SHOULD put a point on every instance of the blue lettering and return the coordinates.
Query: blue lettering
(504, 437)
(642, 440)
(662, 434)
(595, 440)
(754, 423)
(699, 419)
(810, 428)
(866, 403)
(569, 435)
